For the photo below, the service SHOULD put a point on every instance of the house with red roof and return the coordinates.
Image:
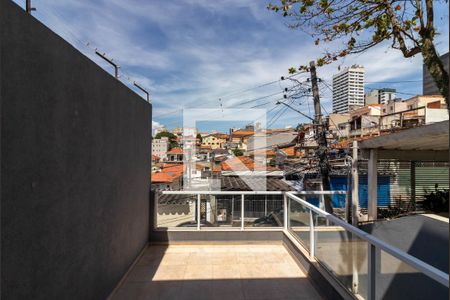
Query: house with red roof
(175, 155)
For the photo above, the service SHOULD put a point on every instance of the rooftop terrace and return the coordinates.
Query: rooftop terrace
(212, 271)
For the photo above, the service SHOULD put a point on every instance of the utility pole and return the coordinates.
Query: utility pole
(315, 92)
(320, 133)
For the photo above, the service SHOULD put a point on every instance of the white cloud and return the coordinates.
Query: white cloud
(188, 54)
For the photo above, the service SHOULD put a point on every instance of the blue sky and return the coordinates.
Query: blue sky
(190, 53)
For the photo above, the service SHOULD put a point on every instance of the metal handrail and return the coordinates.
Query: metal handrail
(430, 271)
(374, 244)
(251, 192)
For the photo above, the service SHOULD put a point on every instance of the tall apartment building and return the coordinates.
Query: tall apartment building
(380, 96)
(348, 89)
(160, 147)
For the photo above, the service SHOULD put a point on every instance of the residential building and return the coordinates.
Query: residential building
(348, 89)
(169, 177)
(175, 155)
(380, 96)
(240, 138)
(160, 147)
(429, 86)
(215, 141)
(246, 166)
(291, 152)
(333, 124)
(415, 111)
(365, 120)
(273, 140)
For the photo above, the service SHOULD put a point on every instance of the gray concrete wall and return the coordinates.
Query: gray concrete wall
(75, 164)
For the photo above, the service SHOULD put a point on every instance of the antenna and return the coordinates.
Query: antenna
(142, 89)
(110, 61)
(28, 7)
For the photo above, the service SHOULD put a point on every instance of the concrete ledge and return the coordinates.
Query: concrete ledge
(202, 236)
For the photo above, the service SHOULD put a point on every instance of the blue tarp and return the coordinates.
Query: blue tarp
(339, 183)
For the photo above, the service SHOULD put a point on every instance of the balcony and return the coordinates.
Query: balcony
(303, 252)
(237, 271)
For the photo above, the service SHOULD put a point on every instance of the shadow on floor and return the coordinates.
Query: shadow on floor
(220, 289)
(230, 272)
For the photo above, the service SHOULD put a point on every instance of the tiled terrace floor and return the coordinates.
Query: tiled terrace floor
(231, 272)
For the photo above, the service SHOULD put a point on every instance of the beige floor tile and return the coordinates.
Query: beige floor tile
(174, 272)
(171, 259)
(262, 289)
(283, 270)
(198, 272)
(249, 271)
(227, 290)
(231, 271)
(141, 274)
(196, 290)
(200, 258)
(247, 258)
(216, 272)
(150, 260)
(223, 258)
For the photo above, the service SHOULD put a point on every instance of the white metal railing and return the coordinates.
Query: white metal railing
(375, 245)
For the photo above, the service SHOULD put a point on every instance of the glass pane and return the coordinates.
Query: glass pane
(222, 210)
(299, 222)
(343, 254)
(398, 280)
(263, 211)
(176, 211)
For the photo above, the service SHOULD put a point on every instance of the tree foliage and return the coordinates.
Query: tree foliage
(238, 152)
(199, 138)
(172, 138)
(362, 24)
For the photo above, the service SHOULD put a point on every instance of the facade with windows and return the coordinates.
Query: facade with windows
(160, 147)
(348, 89)
(380, 96)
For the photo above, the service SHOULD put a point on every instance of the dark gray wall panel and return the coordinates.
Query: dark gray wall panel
(75, 163)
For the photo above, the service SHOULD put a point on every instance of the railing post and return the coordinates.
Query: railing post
(374, 256)
(265, 205)
(285, 210)
(312, 239)
(198, 211)
(242, 212)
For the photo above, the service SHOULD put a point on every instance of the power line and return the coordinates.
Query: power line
(233, 93)
(393, 82)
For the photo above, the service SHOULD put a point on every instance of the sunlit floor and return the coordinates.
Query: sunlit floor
(229, 272)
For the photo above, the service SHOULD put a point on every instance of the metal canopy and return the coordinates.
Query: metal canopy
(429, 142)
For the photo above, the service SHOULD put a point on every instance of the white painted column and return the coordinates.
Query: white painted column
(355, 184)
(372, 180)
(355, 218)
(242, 211)
(198, 210)
(285, 211)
